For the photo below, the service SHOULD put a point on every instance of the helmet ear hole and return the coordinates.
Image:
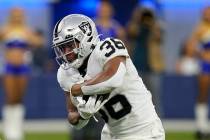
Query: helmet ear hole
(90, 39)
(77, 41)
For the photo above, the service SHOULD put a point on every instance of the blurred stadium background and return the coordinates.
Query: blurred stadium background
(44, 101)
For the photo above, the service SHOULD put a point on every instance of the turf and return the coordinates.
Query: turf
(180, 136)
(45, 136)
(66, 136)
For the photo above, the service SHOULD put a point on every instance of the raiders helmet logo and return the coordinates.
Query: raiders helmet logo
(86, 28)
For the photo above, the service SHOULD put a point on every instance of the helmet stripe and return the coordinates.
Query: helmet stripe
(56, 28)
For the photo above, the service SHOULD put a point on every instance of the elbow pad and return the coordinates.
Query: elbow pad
(107, 86)
(81, 124)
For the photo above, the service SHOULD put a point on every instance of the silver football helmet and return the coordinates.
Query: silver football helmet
(78, 35)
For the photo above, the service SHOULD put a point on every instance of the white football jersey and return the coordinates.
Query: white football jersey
(69, 77)
(130, 106)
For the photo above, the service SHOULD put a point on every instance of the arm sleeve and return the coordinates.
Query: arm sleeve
(107, 86)
(66, 78)
(61, 79)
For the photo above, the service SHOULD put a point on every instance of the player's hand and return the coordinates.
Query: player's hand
(72, 76)
(77, 100)
(88, 109)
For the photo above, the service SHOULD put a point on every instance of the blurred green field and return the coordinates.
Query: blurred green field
(44, 136)
(180, 136)
(66, 136)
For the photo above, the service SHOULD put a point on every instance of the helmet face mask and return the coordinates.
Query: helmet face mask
(73, 40)
(66, 53)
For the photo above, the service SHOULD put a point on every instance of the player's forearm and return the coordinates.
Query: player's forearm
(101, 77)
(104, 87)
(111, 77)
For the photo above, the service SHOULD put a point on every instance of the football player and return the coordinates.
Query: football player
(98, 77)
